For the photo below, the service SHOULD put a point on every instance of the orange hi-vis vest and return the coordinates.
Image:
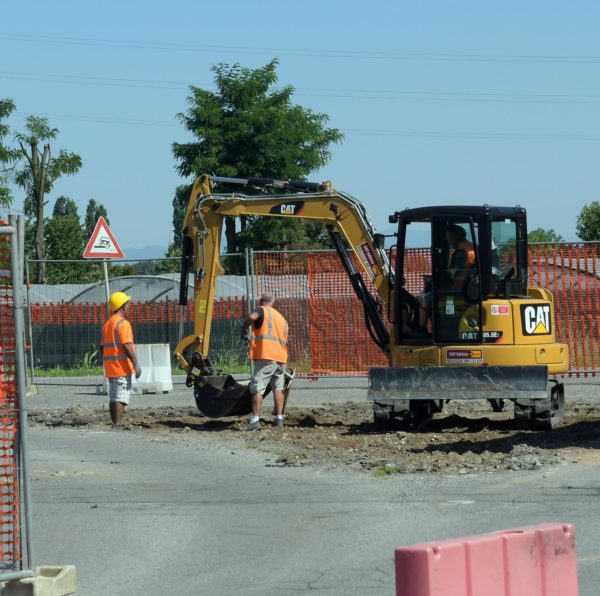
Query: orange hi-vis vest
(116, 332)
(270, 341)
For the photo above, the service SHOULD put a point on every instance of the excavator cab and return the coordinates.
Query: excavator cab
(487, 256)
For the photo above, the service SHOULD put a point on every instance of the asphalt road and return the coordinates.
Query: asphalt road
(179, 513)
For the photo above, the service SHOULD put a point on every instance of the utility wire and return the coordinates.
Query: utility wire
(321, 53)
(364, 94)
(512, 136)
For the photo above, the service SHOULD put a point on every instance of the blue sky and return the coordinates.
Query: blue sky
(464, 102)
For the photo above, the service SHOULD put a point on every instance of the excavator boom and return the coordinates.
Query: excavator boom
(350, 230)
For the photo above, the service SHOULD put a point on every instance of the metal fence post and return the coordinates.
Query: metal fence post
(29, 324)
(248, 282)
(18, 306)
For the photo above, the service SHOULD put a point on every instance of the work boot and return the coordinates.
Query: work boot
(253, 426)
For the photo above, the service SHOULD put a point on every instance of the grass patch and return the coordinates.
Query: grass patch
(231, 361)
(78, 371)
(386, 470)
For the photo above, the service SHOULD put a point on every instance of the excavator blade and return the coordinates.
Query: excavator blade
(458, 382)
(221, 395)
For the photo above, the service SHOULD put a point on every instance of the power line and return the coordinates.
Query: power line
(507, 136)
(321, 53)
(365, 94)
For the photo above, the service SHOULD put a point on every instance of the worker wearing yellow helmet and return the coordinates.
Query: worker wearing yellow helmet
(118, 352)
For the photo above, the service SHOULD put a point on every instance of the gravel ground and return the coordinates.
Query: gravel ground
(467, 438)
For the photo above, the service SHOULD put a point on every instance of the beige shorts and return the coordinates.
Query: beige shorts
(119, 389)
(267, 372)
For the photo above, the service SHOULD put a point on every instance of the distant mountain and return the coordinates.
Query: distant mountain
(153, 251)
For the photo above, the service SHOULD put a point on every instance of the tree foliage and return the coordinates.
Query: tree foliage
(93, 212)
(543, 235)
(247, 128)
(64, 206)
(39, 173)
(588, 222)
(8, 155)
(65, 241)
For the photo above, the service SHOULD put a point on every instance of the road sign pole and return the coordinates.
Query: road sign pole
(106, 286)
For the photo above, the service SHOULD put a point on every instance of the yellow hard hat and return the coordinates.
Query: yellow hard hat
(117, 300)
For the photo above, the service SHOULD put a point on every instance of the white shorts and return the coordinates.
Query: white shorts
(267, 372)
(119, 389)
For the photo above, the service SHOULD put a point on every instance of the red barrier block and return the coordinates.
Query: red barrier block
(529, 561)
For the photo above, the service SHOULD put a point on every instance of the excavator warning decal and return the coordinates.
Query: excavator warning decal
(535, 319)
(464, 356)
(368, 259)
(291, 208)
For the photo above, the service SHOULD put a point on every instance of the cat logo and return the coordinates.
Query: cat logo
(535, 319)
(293, 208)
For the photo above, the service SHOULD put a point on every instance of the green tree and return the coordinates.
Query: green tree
(588, 222)
(245, 129)
(542, 235)
(65, 240)
(93, 212)
(8, 155)
(182, 196)
(38, 176)
(65, 206)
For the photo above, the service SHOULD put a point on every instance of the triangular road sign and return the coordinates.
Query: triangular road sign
(102, 244)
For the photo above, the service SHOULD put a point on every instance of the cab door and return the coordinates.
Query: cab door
(456, 309)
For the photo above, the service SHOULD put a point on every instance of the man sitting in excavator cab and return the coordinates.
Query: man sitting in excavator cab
(462, 258)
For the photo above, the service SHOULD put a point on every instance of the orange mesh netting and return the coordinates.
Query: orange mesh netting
(10, 542)
(327, 329)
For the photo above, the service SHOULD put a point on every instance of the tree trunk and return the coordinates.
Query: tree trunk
(39, 191)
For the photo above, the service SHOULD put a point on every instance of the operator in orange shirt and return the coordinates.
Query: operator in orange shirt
(118, 352)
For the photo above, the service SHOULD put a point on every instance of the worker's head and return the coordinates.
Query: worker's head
(455, 233)
(118, 300)
(266, 299)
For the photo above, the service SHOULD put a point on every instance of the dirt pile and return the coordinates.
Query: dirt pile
(467, 439)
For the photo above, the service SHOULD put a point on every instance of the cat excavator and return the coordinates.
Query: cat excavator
(487, 335)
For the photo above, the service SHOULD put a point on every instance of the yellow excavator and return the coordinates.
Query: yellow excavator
(477, 332)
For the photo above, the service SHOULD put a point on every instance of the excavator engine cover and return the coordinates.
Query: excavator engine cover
(222, 395)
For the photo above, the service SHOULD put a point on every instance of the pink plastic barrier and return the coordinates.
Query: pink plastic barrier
(528, 561)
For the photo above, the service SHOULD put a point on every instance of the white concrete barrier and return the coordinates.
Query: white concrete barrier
(155, 360)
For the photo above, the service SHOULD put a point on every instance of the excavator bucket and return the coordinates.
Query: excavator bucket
(222, 395)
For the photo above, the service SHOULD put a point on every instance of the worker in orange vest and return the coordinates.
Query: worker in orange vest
(269, 355)
(118, 352)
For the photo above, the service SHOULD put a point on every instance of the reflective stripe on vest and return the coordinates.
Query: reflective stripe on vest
(270, 341)
(116, 361)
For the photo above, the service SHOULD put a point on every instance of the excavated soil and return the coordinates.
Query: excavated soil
(467, 438)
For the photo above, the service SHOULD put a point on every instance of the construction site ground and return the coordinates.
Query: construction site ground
(329, 423)
(180, 504)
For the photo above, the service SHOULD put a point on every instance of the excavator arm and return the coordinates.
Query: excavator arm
(343, 216)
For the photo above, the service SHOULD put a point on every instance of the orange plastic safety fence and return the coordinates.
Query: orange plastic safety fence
(10, 532)
(570, 272)
(327, 330)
